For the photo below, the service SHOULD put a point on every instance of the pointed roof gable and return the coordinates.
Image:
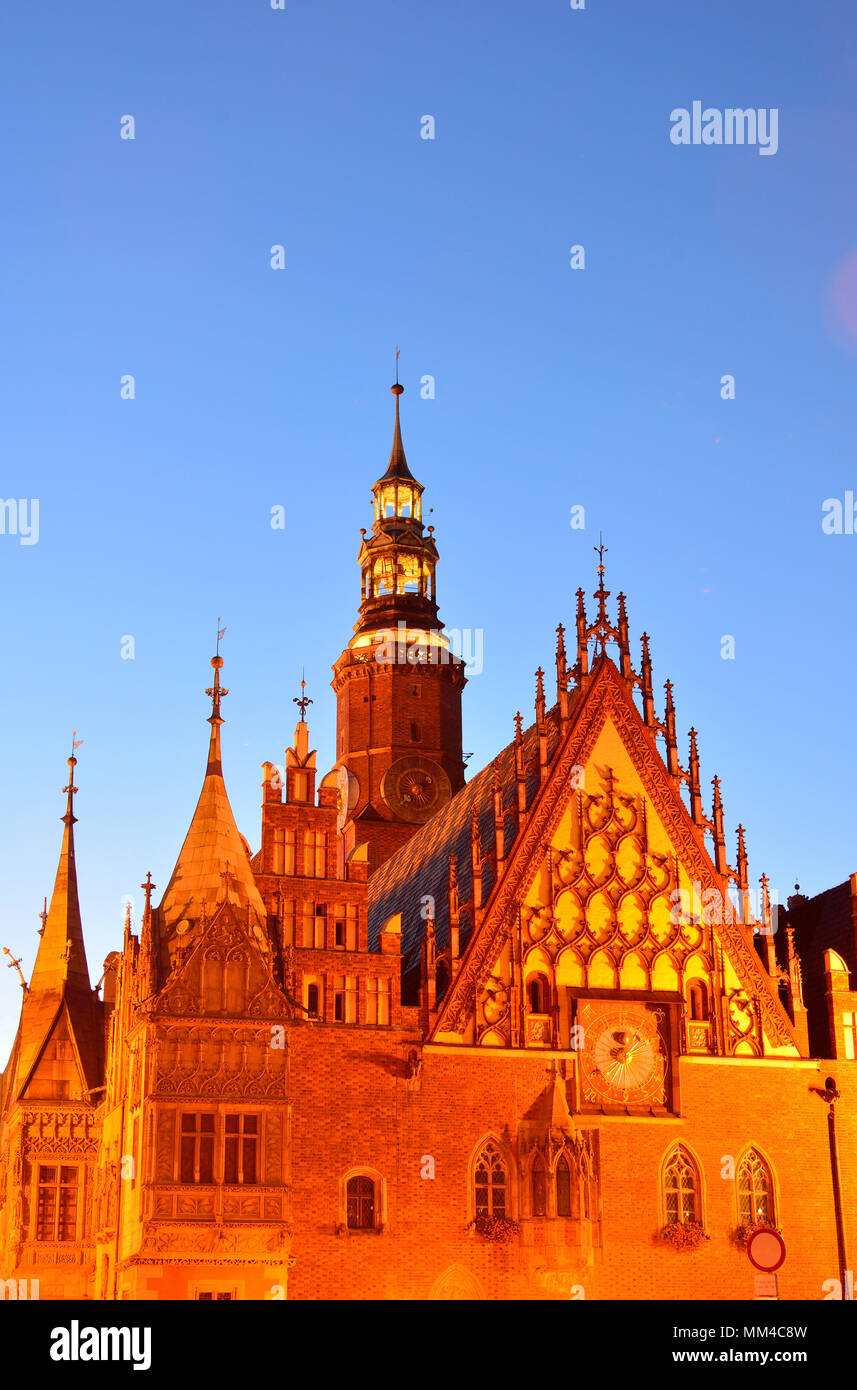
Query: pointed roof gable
(213, 866)
(555, 749)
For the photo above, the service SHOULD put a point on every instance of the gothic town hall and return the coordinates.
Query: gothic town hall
(535, 1035)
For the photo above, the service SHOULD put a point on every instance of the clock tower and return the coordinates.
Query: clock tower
(398, 684)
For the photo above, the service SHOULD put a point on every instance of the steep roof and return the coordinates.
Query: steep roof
(422, 865)
(213, 866)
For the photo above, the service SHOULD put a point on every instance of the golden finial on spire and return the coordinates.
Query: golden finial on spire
(217, 691)
(70, 818)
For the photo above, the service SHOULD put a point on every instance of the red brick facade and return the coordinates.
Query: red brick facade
(521, 1038)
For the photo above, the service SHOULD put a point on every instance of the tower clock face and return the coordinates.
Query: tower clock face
(415, 788)
(623, 1060)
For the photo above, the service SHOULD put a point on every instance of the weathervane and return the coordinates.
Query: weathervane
(304, 700)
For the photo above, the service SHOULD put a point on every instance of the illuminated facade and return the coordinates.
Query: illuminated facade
(528, 1037)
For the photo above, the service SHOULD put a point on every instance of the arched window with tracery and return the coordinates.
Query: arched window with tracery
(682, 1196)
(491, 1183)
(539, 1186)
(755, 1190)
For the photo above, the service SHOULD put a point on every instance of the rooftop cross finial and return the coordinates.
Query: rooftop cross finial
(599, 550)
(216, 691)
(304, 700)
(398, 352)
(16, 965)
(602, 595)
(147, 888)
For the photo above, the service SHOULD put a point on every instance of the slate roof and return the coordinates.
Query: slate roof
(422, 865)
(212, 842)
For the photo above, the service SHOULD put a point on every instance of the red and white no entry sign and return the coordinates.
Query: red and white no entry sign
(766, 1250)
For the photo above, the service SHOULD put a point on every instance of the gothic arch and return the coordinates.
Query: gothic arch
(488, 1141)
(691, 1157)
(764, 1160)
(457, 1283)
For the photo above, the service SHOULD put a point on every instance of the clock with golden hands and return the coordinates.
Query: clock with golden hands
(415, 788)
(622, 1060)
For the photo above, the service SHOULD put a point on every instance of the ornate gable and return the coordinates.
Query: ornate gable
(609, 886)
(223, 973)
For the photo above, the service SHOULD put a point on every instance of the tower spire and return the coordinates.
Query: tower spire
(398, 465)
(61, 957)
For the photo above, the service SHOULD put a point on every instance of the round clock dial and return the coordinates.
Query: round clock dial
(415, 788)
(623, 1059)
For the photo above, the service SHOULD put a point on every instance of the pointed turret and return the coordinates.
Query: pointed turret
(59, 1004)
(213, 866)
(61, 957)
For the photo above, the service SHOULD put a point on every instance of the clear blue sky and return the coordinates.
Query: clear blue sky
(555, 387)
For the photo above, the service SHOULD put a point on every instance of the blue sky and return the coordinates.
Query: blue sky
(554, 387)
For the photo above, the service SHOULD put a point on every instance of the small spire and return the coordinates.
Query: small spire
(561, 674)
(540, 696)
(582, 647)
(624, 647)
(44, 916)
(646, 684)
(669, 732)
(61, 957)
(695, 792)
(520, 770)
(743, 880)
(719, 838)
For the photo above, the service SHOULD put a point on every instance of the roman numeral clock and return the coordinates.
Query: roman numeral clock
(624, 1056)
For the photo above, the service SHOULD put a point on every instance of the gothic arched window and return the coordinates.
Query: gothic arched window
(539, 1186)
(537, 994)
(755, 1190)
(682, 1198)
(491, 1183)
(697, 998)
(563, 1187)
